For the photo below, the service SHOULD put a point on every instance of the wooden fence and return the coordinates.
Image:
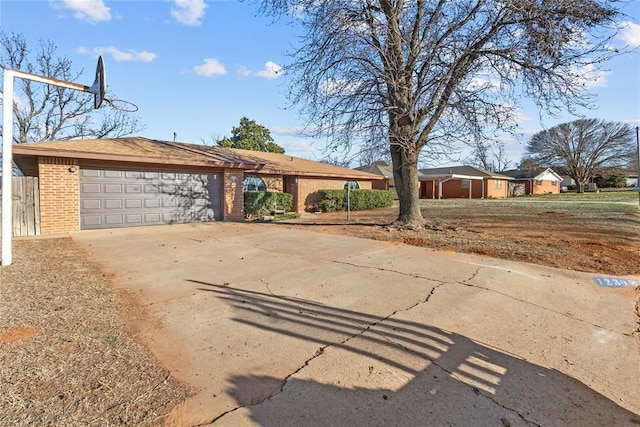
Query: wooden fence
(26, 205)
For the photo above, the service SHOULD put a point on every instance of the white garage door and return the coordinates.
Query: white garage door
(112, 198)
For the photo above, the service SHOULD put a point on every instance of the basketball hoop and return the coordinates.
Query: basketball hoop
(98, 88)
(122, 105)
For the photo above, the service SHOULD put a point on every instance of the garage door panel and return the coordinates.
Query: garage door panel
(91, 188)
(117, 219)
(133, 188)
(91, 221)
(125, 198)
(113, 204)
(113, 188)
(152, 218)
(112, 174)
(91, 204)
(133, 204)
(90, 173)
(133, 219)
(152, 203)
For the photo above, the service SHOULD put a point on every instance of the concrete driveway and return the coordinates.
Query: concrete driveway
(281, 327)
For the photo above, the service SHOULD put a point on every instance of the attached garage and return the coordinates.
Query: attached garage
(112, 198)
(135, 181)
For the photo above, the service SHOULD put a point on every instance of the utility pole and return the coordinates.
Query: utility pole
(638, 177)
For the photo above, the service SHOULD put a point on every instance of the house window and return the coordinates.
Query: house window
(497, 183)
(554, 183)
(538, 182)
(254, 183)
(352, 185)
(465, 183)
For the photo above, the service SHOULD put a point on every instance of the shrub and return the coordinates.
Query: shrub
(336, 200)
(253, 200)
(278, 201)
(258, 203)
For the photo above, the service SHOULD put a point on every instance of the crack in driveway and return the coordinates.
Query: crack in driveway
(467, 283)
(322, 349)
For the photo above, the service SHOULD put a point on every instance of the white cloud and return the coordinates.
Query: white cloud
(298, 147)
(92, 11)
(210, 68)
(286, 130)
(590, 76)
(189, 12)
(521, 117)
(244, 72)
(270, 71)
(119, 55)
(630, 33)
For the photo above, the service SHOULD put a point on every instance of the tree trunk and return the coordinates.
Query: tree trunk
(579, 186)
(405, 174)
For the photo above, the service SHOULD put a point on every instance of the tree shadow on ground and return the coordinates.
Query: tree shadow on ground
(390, 371)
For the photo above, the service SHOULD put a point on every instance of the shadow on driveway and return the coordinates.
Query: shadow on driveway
(394, 371)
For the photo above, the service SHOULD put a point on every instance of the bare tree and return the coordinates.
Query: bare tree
(491, 157)
(582, 146)
(45, 112)
(344, 162)
(424, 74)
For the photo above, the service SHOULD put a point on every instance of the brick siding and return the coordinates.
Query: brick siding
(233, 195)
(546, 187)
(307, 190)
(453, 189)
(59, 195)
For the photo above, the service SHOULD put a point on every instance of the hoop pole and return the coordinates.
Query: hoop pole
(7, 141)
(51, 81)
(7, 166)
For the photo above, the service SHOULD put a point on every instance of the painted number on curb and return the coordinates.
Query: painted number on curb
(615, 282)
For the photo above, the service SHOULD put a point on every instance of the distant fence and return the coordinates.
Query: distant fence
(26, 205)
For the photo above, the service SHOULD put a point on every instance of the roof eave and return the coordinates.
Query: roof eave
(48, 152)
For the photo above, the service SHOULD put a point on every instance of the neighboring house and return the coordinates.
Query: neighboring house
(125, 182)
(534, 181)
(451, 182)
(461, 182)
(384, 169)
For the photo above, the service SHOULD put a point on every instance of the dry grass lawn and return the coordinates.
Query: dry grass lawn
(66, 356)
(585, 235)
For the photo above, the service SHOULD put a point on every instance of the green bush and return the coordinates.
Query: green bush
(258, 203)
(336, 200)
(278, 201)
(253, 201)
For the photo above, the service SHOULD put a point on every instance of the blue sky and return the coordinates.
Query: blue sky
(195, 67)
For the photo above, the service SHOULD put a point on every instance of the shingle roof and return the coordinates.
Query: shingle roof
(144, 150)
(469, 171)
(528, 173)
(379, 168)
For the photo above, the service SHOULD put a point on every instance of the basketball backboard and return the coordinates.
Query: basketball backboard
(98, 88)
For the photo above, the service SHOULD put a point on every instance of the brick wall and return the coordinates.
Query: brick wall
(496, 188)
(546, 187)
(306, 194)
(59, 195)
(453, 189)
(274, 183)
(233, 195)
